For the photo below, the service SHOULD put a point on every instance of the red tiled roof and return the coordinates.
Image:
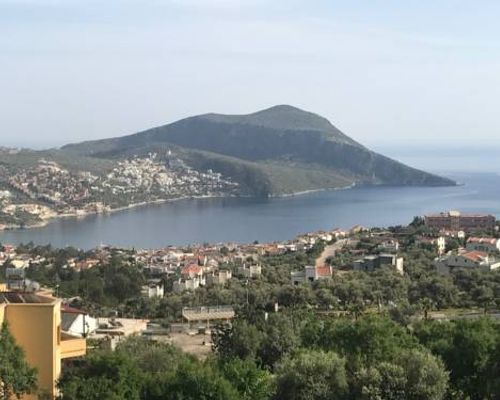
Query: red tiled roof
(481, 240)
(323, 271)
(475, 255)
(191, 269)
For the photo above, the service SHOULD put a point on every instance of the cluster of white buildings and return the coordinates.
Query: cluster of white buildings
(17, 260)
(138, 180)
(170, 178)
(191, 268)
(138, 174)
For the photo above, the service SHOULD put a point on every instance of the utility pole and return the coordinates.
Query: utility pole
(247, 293)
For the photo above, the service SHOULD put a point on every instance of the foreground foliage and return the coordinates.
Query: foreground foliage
(300, 356)
(16, 376)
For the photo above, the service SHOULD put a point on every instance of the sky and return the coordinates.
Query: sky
(389, 73)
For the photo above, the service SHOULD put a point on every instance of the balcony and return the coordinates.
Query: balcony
(72, 346)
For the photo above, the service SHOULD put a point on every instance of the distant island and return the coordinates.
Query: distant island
(278, 151)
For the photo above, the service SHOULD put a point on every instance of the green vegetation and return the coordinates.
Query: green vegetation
(371, 358)
(73, 162)
(275, 151)
(356, 336)
(16, 376)
(117, 282)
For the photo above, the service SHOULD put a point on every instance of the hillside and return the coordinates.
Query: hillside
(275, 151)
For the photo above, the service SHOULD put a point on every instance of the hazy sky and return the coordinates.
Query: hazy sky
(385, 72)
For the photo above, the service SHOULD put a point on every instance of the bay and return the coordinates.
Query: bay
(247, 219)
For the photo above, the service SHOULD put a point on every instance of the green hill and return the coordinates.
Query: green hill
(276, 151)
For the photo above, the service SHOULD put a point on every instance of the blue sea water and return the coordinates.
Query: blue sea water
(248, 219)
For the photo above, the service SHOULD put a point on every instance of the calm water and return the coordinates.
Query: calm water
(245, 220)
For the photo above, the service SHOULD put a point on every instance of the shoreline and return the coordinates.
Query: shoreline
(311, 191)
(85, 214)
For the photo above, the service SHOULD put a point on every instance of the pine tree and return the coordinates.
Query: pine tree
(16, 376)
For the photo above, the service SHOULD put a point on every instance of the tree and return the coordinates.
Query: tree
(16, 376)
(468, 349)
(426, 305)
(385, 381)
(279, 339)
(485, 297)
(311, 375)
(370, 339)
(108, 375)
(426, 376)
(240, 340)
(251, 382)
(151, 356)
(194, 382)
(412, 375)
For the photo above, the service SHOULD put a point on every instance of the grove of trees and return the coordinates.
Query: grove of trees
(300, 356)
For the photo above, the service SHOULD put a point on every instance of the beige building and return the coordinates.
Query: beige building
(457, 221)
(35, 323)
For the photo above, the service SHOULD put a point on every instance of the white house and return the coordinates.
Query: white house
(311, 274)
(252, 271)
(390, 245)
(153, 289)
(441, 244)
(219, 278)
(188, 284)
(77, 322)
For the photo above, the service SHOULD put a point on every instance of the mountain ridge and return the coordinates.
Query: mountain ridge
(281, 136)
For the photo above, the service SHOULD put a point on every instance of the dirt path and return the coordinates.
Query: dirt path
(329, 251)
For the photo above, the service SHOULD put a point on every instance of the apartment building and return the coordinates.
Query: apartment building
(456, 221)
(35, 323)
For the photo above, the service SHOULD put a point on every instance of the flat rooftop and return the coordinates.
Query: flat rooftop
(458, 214)
(208, 313)
(24, 298)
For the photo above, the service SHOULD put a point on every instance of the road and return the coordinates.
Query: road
(329, 251)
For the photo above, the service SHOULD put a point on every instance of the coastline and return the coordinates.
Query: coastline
(243, 220)
(84, 214)
(311, 191)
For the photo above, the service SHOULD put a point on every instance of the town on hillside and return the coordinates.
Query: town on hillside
(439, 267)
(33, 196)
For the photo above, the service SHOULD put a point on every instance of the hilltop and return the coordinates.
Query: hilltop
(275, 151)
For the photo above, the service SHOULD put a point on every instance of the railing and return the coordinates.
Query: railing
(72, 346)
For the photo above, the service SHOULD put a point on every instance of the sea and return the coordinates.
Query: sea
(244, 220)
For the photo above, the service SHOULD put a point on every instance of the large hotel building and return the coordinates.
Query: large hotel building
(457, 221)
